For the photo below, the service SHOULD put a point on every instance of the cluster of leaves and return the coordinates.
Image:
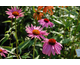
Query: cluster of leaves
(66, 30)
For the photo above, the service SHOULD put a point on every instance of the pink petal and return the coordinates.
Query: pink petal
(49, 53)
(4, 51)
(48, 49)
(38, 37)
(44, 44)
(59, 44)
(51, 24)
(19, 10)
(53, 52)
(42, 36)
(2, 54)
(15, 9)
(32, 27)
(57, 50)
(44, 49)
(44, 33)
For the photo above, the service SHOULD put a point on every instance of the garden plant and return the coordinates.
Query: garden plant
(39, 32)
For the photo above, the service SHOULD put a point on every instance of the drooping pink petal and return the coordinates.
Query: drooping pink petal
(44, 45)
(49, 53)
(42, 36)
(3, 54)
(53, 51)
(38, 37)
(57, 50)
(58, 46)
(44, 49)
(48, 49)
(58, 43)
(4, 51)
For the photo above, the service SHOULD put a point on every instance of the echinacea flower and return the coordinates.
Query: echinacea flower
(36, 32)
(2, 51)
(37, 15)
(14, 12)
(46, 8)
(45, 22)
(51, 46)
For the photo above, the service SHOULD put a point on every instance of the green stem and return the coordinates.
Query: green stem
(0, 57)
(16, 39)
(11, 32)
(34, 47)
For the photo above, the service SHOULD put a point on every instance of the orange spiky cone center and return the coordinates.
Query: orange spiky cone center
(0, 50)
(36, 32)
(52, 41)
(46, 20)
(15, 13)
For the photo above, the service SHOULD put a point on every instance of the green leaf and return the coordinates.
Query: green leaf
(37, 57)
(64, 41)
(26, 55)
(68, 23)
(23, 44)
(65, 10)
(58, 21)
(36, 51)
(31, 43)
(8, 21)
(39, 45)
(56, 33)
(7, 48)
(78, 28)
(9, 57)
(5, 39)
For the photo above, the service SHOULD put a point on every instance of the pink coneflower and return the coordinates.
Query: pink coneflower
(45, 22)
(51, 46)
(14, 13)
(2, 51)
(36, 32)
